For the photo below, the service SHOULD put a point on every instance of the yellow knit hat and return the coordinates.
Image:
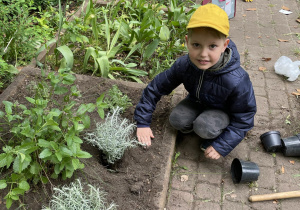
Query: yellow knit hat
(212, 16)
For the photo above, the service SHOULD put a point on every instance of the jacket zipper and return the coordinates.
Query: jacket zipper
(199, 85)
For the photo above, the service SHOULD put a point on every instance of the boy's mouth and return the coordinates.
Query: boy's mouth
(203, 62)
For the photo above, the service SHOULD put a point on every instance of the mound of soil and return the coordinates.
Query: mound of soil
(140, 179)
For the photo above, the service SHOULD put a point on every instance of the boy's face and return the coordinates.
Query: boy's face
(205, 47)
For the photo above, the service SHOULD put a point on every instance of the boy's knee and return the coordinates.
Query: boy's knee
(210, 124)
(180, 123)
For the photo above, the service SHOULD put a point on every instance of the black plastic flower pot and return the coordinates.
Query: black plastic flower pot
(271, 141)
(291, 146)
(244, 171)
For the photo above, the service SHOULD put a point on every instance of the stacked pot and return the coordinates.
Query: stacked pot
(273, 142)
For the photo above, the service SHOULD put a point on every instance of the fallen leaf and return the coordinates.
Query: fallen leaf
(292, 162)
(184, 178)
(266, 59)
(262, 68)
(275, 201)
(283, 40)
(285, 8)
(247, 37)
(244, 15)
(282, 169)
(233, 195)
(298, 20)
(298, 42)
(296, 93)
(251, 9)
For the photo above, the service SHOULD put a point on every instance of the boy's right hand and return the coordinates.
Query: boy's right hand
(144, 135)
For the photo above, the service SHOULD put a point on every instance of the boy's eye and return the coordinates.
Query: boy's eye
(196, 45)
(213, 46)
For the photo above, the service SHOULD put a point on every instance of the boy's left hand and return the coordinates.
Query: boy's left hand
(211, 153)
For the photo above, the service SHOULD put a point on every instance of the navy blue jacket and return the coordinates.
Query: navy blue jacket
(228, 89)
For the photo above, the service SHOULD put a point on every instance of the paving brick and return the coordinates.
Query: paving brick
(189, 147)
(262, 106)
(266, 178)
(188, 168)
(206, 204)
(235, 192)
(208, 192)
(179, 200)
(262, 158)
(275, 84)
(211, 173)
(277, 99)
(235, 206)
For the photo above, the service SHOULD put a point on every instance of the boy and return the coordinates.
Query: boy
(220, 106)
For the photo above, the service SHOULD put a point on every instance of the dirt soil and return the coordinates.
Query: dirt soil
(138, 180)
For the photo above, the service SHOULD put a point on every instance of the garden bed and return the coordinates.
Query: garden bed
(140, 180)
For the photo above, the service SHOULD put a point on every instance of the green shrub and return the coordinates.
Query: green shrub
(74, 197)
(44, 139)
(113, 136)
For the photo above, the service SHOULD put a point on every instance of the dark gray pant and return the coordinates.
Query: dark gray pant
(207, 123)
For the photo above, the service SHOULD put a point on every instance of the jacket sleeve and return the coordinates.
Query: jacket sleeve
(242, 108)
(163, 84)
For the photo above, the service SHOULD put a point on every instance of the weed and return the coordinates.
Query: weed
(115, 98)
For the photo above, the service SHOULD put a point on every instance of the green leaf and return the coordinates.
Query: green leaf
(86, 121)
(66, 152)
(2, 114)
(101, 112)
(8, 106)
(150, 49)
(69, 79)
(104, 65)
(9, 202)
(24, 185)
(11, 69)
(90, 52)
(31, 100)
(3, 159)
(45, 153)
(135, 47)
(67, 54)
(3, 184)
(35, 168)
(78, 140)
(59, 90)
(164, 33)
(83, 154)
(59, 156)
(44, 143)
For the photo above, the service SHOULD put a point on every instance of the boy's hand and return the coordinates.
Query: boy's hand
(211, 153)
(144, 135)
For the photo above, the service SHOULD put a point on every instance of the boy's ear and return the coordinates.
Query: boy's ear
(226, 44)
(186, 39)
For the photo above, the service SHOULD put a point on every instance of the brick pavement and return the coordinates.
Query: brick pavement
(209, 185)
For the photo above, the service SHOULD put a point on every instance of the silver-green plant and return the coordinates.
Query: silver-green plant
(74, 197)
(113, 136)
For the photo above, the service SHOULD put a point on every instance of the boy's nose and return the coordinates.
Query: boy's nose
(203, 52)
